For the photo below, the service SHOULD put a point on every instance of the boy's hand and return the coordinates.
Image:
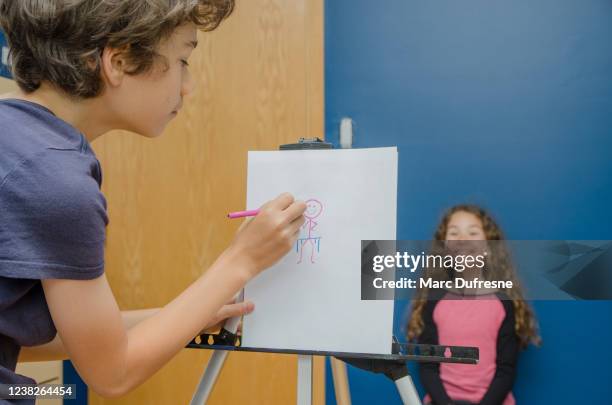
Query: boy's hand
(263, 240)
(229, 310)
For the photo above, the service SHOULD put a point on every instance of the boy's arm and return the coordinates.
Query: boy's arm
(54, 350)
(113, 361)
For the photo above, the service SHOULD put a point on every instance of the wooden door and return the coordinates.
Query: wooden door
(260, 84)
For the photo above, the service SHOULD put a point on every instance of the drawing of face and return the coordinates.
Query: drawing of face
(313, 208)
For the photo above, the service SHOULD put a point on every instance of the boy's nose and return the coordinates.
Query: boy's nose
(188, 85)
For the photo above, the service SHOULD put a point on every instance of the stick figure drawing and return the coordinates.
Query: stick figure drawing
(310, 238)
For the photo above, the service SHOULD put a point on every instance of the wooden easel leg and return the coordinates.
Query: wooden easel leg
(341, 385)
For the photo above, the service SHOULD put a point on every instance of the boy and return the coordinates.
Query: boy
(85, 67)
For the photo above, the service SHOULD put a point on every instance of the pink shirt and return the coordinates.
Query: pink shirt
(470, 321)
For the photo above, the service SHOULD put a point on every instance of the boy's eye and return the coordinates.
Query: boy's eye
(184, 62)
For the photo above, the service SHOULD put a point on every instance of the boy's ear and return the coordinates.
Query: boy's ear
(114, 64)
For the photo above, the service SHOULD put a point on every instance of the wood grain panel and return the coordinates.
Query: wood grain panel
(260, 84)
(7, 86)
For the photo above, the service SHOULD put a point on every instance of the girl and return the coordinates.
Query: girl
(498, 322)
(84, 68)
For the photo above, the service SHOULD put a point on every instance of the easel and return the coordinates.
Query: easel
(393, 365)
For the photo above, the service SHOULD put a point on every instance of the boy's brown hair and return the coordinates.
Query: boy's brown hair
(61, 41)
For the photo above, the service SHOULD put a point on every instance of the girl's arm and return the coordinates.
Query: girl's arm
(429, 373)
(113, 361)
(507, 356)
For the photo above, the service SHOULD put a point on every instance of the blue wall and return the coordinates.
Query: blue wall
(505, 104)
(4, 70)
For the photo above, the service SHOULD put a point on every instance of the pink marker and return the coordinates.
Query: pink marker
(242, 214)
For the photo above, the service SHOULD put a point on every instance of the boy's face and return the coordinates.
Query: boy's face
(146, 103)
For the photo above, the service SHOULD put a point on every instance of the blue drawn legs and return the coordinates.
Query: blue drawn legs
(303, 243)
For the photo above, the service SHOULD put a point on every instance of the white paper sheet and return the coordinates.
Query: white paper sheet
(311, 299)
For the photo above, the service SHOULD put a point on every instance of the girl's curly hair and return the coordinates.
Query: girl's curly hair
(526, 327)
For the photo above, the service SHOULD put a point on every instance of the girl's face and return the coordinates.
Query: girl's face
(465, 236)
(464, 226)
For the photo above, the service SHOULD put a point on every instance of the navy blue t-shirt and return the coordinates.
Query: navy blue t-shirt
(52, 222)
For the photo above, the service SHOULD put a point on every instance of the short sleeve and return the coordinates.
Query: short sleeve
(53, 217)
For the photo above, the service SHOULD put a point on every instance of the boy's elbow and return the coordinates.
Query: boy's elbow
(116, 388)
(110, 391)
